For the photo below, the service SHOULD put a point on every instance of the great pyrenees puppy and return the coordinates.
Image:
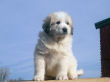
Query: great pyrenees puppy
(53, 57)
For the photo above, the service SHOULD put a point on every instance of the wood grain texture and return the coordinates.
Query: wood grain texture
(76, 80)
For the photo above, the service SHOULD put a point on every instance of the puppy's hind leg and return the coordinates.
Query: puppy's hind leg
(39, 68)
(80, 72)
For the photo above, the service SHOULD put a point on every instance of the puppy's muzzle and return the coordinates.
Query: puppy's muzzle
(64, 30)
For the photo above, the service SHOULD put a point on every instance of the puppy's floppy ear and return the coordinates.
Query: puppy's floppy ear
(46, 25)
(71, 24)
(72, 30)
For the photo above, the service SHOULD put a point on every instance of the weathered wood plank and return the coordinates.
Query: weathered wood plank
(76, 80)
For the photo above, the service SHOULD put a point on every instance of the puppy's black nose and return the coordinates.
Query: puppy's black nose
(64, 30)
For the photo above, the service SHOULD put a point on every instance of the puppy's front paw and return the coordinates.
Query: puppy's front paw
(38, 78)
(72, 76)
(61, 77)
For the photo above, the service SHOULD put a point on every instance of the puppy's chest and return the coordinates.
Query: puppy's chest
(55, 53)
(58, 48)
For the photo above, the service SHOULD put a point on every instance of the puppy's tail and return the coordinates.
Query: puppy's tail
(80, 72)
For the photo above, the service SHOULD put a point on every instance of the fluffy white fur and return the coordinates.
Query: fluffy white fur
(55, 59)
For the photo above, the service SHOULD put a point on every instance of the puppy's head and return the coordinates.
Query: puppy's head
(58, 24)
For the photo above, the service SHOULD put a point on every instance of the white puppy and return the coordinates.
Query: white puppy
(53, 56)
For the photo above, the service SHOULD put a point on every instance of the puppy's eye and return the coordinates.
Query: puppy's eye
(58, 22)
(67, 23)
